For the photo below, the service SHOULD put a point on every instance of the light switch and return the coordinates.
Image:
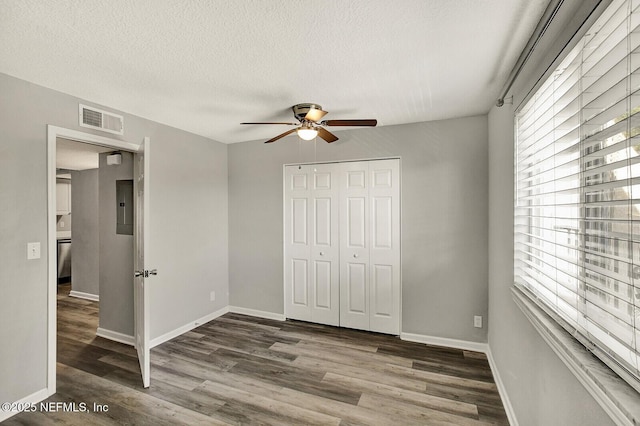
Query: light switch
(33, 251)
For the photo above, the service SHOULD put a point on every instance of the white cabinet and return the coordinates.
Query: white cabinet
(342, 244)
(63, 196)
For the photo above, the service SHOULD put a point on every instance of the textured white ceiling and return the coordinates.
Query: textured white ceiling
(207, 65)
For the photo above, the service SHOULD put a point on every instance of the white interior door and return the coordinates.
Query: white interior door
(354, 245)
(384, 251)
(141, 294)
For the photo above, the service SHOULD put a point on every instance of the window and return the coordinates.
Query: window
(577, 201)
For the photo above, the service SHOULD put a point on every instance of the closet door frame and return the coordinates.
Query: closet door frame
(286, 292)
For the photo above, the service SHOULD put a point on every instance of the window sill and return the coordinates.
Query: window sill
(619, 400)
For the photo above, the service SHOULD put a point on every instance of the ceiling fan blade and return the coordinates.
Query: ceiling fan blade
(315, 114)
(288, 132)
(369, 123)
(264, 122)
(327, 135)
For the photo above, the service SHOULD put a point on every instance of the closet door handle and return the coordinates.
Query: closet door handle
(321, 253)
(355, 255)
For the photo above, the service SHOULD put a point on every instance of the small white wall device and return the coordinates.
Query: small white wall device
(114, 159)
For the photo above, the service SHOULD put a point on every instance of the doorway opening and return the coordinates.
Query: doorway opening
(81, 207)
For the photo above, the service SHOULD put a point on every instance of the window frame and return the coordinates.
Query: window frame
(539, 309)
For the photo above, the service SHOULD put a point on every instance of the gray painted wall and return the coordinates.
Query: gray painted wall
(444, 219)
(116, 251)
(85, 232)
(189, 267)
(189, 229)
(23, 219)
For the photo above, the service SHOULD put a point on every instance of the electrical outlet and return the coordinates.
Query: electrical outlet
(212, 296)
(477, 321)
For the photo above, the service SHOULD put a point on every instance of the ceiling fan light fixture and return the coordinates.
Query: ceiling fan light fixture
(309, 118)
(307, 133)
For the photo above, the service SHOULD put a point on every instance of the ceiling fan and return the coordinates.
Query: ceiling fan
(310, 126)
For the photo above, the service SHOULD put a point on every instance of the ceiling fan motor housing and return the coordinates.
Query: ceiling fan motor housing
(301, 110)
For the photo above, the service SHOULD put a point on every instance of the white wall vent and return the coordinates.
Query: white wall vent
(95, 118)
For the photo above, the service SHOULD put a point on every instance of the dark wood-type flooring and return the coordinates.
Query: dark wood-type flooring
(243, 370)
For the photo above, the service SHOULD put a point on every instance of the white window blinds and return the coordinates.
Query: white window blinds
(577, 207)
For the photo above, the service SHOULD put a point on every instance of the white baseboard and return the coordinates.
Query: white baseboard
(34, 398)
(442, 341)
(187, 327)
(82, 295)
(511, 414)
(115, 336)
(257, 313)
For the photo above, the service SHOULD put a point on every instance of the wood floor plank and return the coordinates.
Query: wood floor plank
(191, 400)
(416, 398)
(457, 370)
(348, 357)
(309, 337)
(444, 379)
(409, 414)
(355, 353)
(374, 375)
(239, 369)
(296, 378)
(243, 323)
(138, 403)
(349, 413)
(286, 413)
(266, 354)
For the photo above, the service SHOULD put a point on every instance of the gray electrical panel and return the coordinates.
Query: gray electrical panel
(124, 201)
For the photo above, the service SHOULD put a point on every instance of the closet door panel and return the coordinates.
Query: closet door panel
(297, 247)
(384, 261)
(354, 245)
(325, 246)
(299, 273)
(322, 280)
(356, 288)
(382, 290)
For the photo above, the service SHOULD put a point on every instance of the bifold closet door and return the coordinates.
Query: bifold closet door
(370, 246)
(311, 244)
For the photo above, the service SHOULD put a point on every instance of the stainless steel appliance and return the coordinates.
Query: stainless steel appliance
(64, 261)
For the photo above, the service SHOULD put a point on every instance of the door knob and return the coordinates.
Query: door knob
(355, 255)
(321, 253)
(145, 273)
